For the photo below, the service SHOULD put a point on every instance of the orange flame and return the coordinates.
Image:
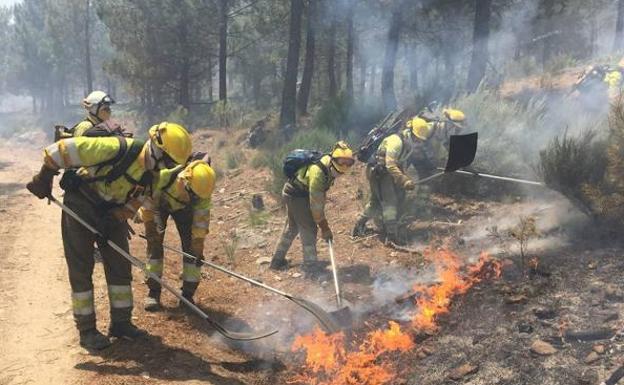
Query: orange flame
(330, 362)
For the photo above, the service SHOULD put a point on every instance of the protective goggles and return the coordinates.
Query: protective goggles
(345, 162)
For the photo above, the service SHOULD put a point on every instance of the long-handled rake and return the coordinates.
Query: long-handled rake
(343, 313)
(239, 336)
(326, 320)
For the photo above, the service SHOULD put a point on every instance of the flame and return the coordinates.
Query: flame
(329, 361)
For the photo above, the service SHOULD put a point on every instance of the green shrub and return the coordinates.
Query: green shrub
(571, 164)
(260, 160)
(258, 218)
(234, 159)
(179, 115)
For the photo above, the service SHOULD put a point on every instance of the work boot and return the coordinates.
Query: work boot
(360, 227)
(152, 301)
(189, 297)
(279, 264)
(392, 235)
(127, 330)
(92, 339)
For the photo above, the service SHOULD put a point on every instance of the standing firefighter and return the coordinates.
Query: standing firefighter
(304, 195)
(114, 177)
(184, 193)
(387, 179)
(97, 122)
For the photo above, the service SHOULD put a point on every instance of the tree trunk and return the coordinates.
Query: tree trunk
(185, 94)
(88, 67)
(288, 112)
(308, 69)
(392, 45)
(331, 59)
(373, 80)
(362, 63)
(480, 39)
(210, 80)
(223, 27)
(549, 9)
(618, 43)
(350, 39)
(412, 63)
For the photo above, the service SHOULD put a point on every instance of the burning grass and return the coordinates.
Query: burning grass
(369, 358)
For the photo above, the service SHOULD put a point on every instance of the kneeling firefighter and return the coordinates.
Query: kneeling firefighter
(183, 193)
(387, 179)
(114, 176)
(304, 195)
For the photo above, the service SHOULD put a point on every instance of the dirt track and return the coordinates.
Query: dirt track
(36, 330)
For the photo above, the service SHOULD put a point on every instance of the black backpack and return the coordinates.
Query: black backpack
(120, 162)
(298, 158)
(386, 127)
(98, 130)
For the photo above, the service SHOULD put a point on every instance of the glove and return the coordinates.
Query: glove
(326, 232)
(41, 184)
(409, 185)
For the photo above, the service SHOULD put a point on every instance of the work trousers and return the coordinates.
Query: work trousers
(79, 244)
(386, 199)
(299, 222)
(155, 234)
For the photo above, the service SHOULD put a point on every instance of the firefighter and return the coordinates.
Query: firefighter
(184, 194)
(305, 196)
(97, 122)
(387, 178)
(115, 176)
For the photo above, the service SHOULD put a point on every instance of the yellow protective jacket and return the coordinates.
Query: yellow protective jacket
(82, 127)
(87, 154)
(394, 154)
(316, 180)
(173, 197)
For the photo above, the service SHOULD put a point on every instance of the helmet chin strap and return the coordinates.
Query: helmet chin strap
(154, 158)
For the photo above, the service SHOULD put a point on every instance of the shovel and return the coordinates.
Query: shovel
(326, 320)
(238, 336)
(462, 151)
(343, 313)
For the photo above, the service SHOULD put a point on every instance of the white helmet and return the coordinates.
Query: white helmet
(95, 100)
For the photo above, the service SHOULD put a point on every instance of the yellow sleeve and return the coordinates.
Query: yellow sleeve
(317, 187)
(201, 218)
(393, 146)
(83, 126)
(81, 152)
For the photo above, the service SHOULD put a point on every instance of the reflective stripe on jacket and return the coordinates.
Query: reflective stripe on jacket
(86, 153)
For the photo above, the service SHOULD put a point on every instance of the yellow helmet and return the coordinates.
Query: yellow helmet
(456, 116)
(342, 157)
(200, 178)
(420, 128)
(173, 139)
(621, 63)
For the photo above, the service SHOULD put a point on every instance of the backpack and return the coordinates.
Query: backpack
(386, 127)
(298, 158)
(120, 162)
(98, 130)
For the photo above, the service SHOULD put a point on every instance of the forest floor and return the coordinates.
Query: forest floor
(487, 338)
